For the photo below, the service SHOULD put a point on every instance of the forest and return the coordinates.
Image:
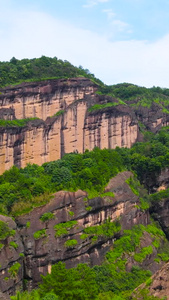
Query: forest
(23, 189)
(37, 69)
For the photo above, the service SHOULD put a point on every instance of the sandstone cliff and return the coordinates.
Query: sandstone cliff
(65, 122)
(75, 129)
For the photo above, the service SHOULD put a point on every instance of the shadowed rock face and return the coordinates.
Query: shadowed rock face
(160, 212)
(10, 256)
(41, 253)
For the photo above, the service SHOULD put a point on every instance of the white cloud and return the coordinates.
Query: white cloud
(120, 25)
(91, 3)
(33, 34)
(117, 25)
(110, 13)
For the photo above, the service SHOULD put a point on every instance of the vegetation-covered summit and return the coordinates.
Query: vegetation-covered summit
(37, 69)
(16, 71)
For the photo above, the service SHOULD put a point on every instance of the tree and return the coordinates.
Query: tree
(76, 283)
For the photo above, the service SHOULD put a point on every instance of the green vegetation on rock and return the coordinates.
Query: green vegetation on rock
(62, 228)
(70, 243)
(5, 231)
(46, 217)
(13, 271)
(39, 234)
(13, 245)
(16, 123)
(107, 229)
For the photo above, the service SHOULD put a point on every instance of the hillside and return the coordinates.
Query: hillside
(84, 185)
(38, 69)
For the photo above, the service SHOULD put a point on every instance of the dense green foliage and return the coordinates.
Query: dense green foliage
(36, 69)
(23, 189)
(130, 93)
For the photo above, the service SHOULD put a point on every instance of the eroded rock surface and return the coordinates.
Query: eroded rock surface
(158, 284)
(75, 129)
(41, 253)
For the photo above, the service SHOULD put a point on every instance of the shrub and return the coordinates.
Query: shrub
(1, 246)
(13, 245)
(62, 228)
(21, 254)
(5, 231)
(28, 224)
(46, 217)
(70, 243)
(13, 271)
(139, 257)
(71, 213)
(40, 234)
(107, 229)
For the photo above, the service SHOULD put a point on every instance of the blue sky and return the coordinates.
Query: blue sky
(118, 41)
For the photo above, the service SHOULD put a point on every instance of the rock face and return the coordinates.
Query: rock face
(50, 247)
(75, 129)
(160, 212)
(159, 284)
(11, 254)
(44, 99)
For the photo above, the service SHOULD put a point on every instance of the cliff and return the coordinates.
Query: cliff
(75, 128)
(41, 242)
(67, 115)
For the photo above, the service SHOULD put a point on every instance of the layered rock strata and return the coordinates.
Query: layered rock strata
(75, 129)
(44, 99)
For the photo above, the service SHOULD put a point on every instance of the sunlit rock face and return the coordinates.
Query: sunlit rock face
(51, 136)
(44, 99)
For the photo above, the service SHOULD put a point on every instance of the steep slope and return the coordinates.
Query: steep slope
(69, 228)
(157, 285)
(73, 128)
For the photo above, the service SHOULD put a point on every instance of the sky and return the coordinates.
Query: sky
(117, 40)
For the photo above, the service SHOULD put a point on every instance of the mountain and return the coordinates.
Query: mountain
(84, 179)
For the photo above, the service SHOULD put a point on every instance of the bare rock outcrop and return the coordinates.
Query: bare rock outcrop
(11, 258)
(157, 285)
(65, 122)
(45, 98)
(75, 128)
